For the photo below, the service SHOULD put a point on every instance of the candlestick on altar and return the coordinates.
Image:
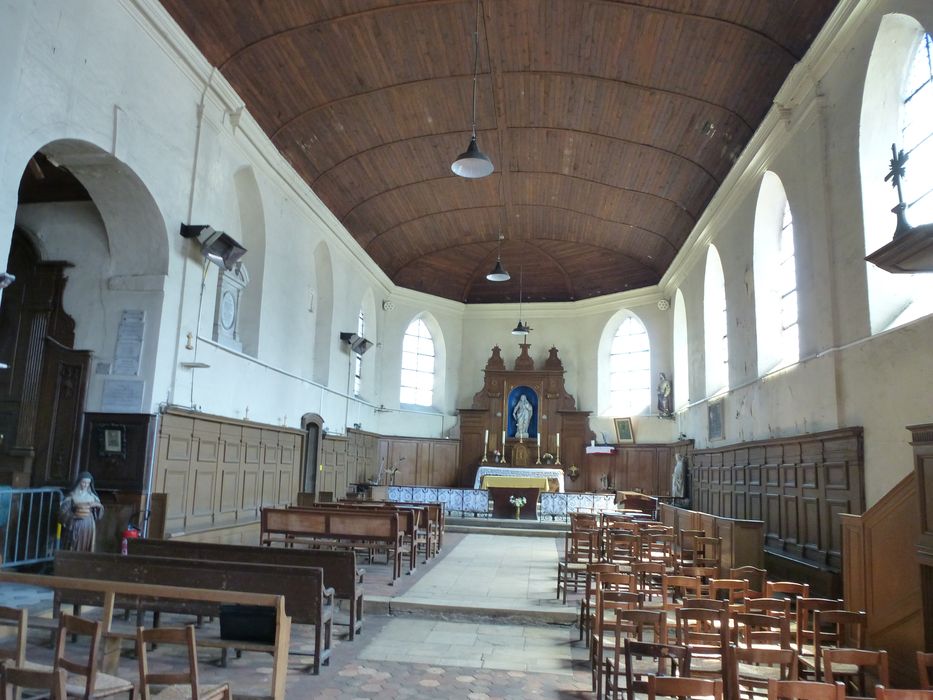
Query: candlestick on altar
(557, 459)
(539, 453)
(486, 447)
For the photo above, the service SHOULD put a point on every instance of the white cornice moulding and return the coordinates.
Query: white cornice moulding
(609, 304)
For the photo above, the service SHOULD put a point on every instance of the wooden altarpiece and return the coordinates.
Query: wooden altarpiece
(556, 413)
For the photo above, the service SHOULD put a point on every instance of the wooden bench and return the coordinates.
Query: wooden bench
(339, 566)
(347, 529)
(307, 601)
(410, 522)
(432, 521)
(108, 591)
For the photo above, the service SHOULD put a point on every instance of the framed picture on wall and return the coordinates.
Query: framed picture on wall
(624, 433)
(715, 415)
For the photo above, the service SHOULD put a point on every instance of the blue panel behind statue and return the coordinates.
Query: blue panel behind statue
(523, 414)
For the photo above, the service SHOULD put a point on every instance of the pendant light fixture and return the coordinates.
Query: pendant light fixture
(499, 273)
(522, 328)
(473, 163)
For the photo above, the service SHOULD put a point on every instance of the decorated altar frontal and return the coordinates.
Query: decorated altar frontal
(526, 472)
(476, 501)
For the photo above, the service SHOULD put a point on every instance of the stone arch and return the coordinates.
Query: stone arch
(440, 354)
(890, 297)
(681, 353)
(253, 238)
(118, 244)
(604, 401)
(715, 324)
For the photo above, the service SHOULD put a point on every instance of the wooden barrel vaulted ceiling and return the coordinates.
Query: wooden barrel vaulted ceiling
(610, 124)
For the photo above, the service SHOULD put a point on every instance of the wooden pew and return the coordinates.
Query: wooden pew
(348, 529)
(307, 601)
(432, 519)
(339, 566)
(410, 521)
(108, 591)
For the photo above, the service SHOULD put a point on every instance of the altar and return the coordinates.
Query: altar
(528, 472)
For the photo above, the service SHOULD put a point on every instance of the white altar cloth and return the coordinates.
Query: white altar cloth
(520, 471)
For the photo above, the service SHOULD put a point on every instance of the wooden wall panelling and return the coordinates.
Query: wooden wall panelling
(204, 468)
(882, 577)
(228, 474)
(175, 450)
(217, 472)
(250, 470)
(797, 485)
(922, 444)
(330, 447)
(445, 462)
(289, 468)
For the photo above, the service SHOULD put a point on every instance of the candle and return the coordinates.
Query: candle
(486, 439)
(558, 439)
(503, 443)
(539, 439)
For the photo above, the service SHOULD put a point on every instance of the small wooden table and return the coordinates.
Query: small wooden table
(501, 508)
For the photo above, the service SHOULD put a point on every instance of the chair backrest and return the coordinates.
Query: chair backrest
(787, 589)
(776, 607)
(697, 627)
(875, 661)
(639, 620)
(883, 693)
(757, 578)
(705, 604)
(16, 653)
(924, 664)
(805, 609)
(805, 690)
(708, 552)
(167, 635)
(846, 628)
(673, 660)
(621, 546)
(17, 679)
(71, 625)
(732, 590)
(687, 545)
(679, 586)
(666, 686)
(783, 659)
(583, 521)
(762, 630)
(582, 546)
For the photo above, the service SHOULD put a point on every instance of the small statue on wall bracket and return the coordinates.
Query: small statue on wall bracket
(665, 397)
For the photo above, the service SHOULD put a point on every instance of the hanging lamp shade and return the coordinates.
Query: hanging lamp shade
(498, 273)
(521, 329)
(472, 163)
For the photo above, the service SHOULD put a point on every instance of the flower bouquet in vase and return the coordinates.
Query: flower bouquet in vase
(518, 502)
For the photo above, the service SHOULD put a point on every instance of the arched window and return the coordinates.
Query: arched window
(715, 322)
(630, 369)
(896, 103)
(681, 353)
(917, 134)
(418, 362)
(358, 357)
(775, 266)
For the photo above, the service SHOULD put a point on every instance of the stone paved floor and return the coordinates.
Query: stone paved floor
(479, 622)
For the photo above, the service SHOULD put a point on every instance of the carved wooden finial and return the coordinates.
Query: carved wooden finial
(495, 360)
(524, 360)
(553, 361)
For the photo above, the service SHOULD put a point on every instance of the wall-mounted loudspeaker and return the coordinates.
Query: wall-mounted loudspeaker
(357, 343)
(217, 246)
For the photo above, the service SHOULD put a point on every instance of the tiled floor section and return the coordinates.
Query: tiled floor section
(451, 641)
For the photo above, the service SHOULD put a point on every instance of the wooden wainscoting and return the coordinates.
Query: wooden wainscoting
(218, 472)
(797, 485)
(646, 468)
(422, 461)
(741, 539)
(882, 577)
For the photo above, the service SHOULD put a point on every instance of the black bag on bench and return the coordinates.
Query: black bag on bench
(247, 623)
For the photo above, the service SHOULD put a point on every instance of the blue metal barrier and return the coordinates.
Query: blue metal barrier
(29, 525)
